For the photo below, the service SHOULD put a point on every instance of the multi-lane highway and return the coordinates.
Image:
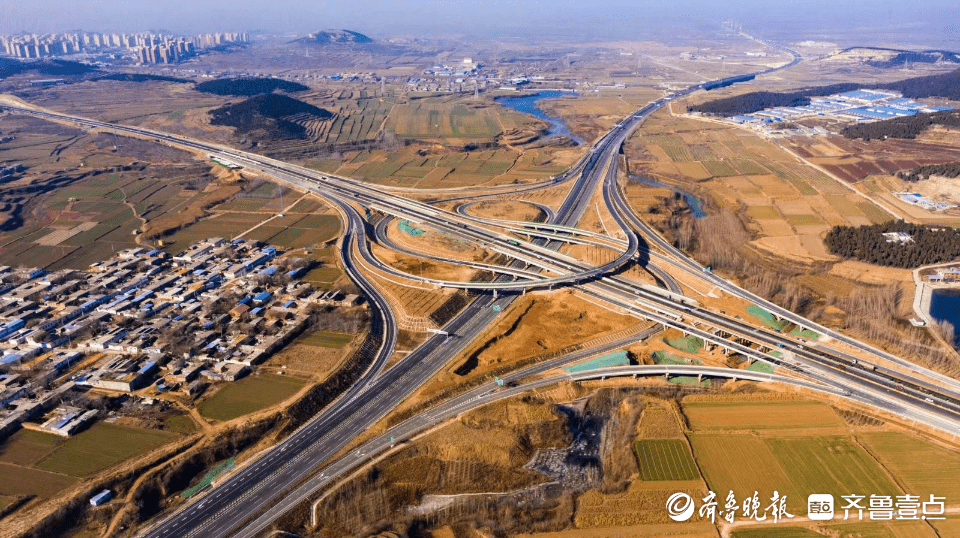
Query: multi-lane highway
(281, 477)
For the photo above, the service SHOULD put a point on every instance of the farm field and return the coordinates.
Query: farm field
(922, 467)
(780, 530)
(672, 529)
(665, 459)
(442, 141)
(103, 445)
(27, 447)
(787, 203)
(440, 168)
(641, 503)
(589, 116)
(168, 106)
(16, 480)
(47, 463)
(744, 464)
(883, 187)
(759, 415)
(254, 215)
(93, 200)
(322, 275)
(327, 339)
(835, 465)
(855, 160)
(454, 121)
(248, 395)
(867, 529)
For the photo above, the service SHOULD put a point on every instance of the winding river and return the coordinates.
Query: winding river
(527, 103)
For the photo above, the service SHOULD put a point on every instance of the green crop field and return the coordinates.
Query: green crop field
(833, 464)
(26, 447)
(326, 274)
(743, 464)
(326, 339)
(874, 213)
(179, 424)
(16, 480)
(923, 468)
(720, 168)
(749, 167)
(803, 220)
(438, 120)
(665, 459)
(249, 395)
(102, 446)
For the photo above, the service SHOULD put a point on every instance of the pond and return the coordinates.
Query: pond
(527, 103)
(696, 206)
(945, 305)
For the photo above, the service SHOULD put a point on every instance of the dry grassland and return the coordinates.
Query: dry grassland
(507, 210)
(635, 506)
(659, 421)
(537, 324)
(307, 360)
(761, 415)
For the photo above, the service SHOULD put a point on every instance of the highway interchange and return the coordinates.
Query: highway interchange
(251, 498)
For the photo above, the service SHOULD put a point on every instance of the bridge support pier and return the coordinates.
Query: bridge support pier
(494, 293)
(699, 378)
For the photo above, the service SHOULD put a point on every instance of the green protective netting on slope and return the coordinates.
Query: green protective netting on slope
(617, 358)
(690, 344)
(766, 317)
(805, 333)
(662, 357)
(760, 366)
(211, 475)
(409, 229)
(689, 380)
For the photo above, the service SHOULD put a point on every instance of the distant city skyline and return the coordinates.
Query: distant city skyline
(931, 23)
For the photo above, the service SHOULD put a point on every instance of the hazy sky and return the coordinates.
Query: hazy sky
(933, 22)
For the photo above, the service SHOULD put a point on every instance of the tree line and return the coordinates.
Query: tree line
(867, 243)
(756, 101)
(924, 172)
(247, 87)
(946, 85)
(908, 127)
